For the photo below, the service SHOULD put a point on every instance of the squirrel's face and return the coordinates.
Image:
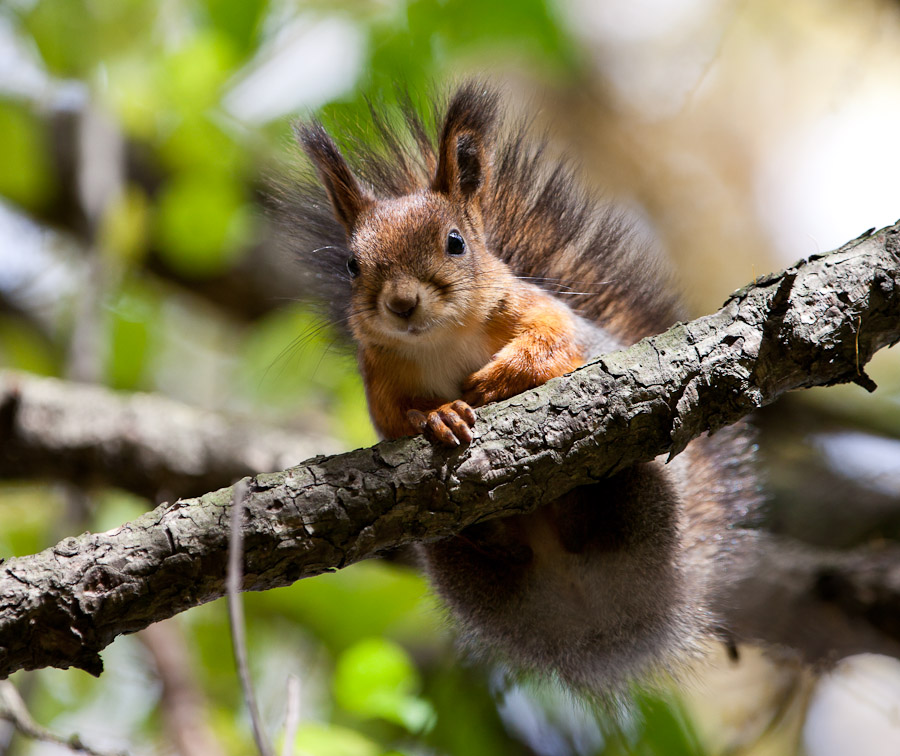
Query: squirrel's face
(419, 271)
(419, 267)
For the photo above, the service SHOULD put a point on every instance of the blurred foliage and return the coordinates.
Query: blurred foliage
(26, 177)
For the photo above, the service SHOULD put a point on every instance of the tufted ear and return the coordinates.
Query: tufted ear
(348, 197)
(463, 152)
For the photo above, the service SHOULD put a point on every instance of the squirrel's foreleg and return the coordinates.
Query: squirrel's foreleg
(544, 345)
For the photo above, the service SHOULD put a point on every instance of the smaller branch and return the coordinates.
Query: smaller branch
(235, 582)
(821, 603)
(291, 716)
(150, 445)
(13, 710)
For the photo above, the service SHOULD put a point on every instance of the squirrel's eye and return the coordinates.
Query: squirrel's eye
(455, 244)
(353, 267)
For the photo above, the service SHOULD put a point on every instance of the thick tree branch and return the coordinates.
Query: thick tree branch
(149, 445)
(814, 324)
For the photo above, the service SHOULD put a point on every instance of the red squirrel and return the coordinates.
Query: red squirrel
(472, 267)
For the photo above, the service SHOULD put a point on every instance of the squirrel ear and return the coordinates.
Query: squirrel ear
(348, 198)
(462, 154)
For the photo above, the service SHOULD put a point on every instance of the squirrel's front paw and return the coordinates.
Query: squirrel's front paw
(450, 424)
(493, 383)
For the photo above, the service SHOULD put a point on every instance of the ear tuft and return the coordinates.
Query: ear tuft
(348, 198)
(463, 153)
(470, 164)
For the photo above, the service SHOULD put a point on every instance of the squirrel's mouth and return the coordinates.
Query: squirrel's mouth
(408, 329)
(412, 329)
(417, 324)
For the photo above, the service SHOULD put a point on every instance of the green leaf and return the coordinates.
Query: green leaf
(240, 21)
(202, 222)
(23, 348)
(316, 739)
(113, 507)
(134, 93)
(667, 731)
(376, 678)
(26, 176)
(365, 599)
(73, 36)
(30, 516)
(194, 74)
(125, 226)
(292, 363)
(660, 728)
(133, 323)
(197, 143)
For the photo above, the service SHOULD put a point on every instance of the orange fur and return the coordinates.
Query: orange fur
(543, 346)
(532, 339)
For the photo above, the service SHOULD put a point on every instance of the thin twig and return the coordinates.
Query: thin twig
(291, 716)
(236, 616)
(13, 710)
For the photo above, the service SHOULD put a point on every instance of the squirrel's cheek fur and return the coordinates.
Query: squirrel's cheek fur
(480, 270)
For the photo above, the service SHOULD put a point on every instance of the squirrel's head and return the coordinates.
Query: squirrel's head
(418, 263)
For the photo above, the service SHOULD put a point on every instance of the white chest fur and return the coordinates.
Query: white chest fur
(445, 363)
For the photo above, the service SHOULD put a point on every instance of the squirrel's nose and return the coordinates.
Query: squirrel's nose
(403, 305)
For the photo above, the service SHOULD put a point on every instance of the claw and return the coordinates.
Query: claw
(464, 411)
(449, 424)
(456, 424)
(439, 431)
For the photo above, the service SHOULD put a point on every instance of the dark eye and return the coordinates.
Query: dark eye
(455, 244)
(352, 267)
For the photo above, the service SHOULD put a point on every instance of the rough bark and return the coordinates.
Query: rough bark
(816, 323)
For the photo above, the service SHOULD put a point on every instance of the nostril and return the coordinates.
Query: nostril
(402, 307)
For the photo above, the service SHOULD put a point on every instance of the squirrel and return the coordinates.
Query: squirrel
(471, 268)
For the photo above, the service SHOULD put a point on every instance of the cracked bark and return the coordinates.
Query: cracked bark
(817, 323)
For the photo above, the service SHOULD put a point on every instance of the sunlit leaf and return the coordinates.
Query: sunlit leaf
(293, 362)
(133, 318)
(133, 91)
(113, 507)
(196, 71)
(29, 518)
(201, 222)
(125, 226)
(23, 348)
(197, 143)
(376, 678)
(73, 36)
(26, 175)
(315, 739)
(364, 599)
(239, 20)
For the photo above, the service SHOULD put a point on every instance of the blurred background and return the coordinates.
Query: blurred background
(137, 138)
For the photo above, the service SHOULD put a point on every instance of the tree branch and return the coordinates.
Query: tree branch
(146, 444)
(820, 603)
(816, 323)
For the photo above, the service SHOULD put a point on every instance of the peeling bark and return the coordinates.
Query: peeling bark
(817, 323)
